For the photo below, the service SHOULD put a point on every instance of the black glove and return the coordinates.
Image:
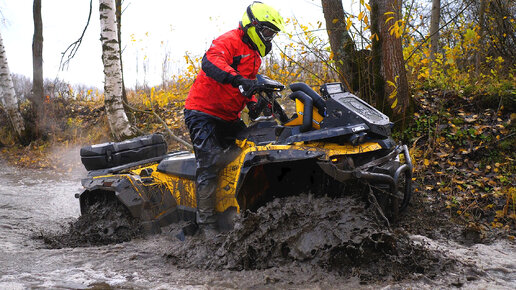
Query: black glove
(254, 110)
(246, 84)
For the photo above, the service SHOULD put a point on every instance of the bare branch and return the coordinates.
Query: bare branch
(176, 138)
(437, 31)
(74, 47)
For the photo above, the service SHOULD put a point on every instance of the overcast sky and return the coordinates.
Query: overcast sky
(158, 26)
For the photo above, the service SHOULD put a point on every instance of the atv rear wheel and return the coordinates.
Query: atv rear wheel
(106, 220)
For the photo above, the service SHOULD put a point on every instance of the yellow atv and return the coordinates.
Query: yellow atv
(334, 144)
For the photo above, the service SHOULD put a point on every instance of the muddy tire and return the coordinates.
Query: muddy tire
(108, 221)
(393, 201)
(404, 190)
(104, 221)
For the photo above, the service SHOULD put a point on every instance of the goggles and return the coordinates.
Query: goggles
(267, 33)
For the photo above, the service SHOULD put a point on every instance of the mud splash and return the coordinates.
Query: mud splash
(103, 224)
(432, 251)
(339, 235)
(343, 236)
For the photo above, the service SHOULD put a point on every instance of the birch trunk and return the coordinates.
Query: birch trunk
(117, 118)
(8, 95)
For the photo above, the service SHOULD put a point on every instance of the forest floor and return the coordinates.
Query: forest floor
(464, 154)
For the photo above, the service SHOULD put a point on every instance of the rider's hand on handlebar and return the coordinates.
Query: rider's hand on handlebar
(254, 111)
(245, 85)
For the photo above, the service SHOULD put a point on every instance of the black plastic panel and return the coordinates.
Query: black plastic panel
(183, 165)
(113, 154)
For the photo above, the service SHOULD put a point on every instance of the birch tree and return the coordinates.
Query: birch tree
(117, 118)
(118, 13)
(8, 96)
(482, 27)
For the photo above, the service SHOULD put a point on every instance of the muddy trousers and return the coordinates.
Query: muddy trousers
(212, 138)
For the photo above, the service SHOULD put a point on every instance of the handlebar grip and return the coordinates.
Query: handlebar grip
(248, 94)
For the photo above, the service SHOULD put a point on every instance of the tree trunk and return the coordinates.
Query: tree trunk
(434, 31)
(118, 12)
(390, 79)
(481, 25)
(341, 43)
(117, 118)
(376, 56)
(37, 69)
(8, 96)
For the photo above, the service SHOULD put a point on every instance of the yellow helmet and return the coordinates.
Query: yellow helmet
(261, 23)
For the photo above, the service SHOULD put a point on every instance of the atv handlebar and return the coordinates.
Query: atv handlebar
(266, 91)
(264, 84)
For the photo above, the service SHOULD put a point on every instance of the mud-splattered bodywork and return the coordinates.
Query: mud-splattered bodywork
(352, 142)
(156, 194)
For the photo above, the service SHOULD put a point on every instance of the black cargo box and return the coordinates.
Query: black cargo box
(111, 154)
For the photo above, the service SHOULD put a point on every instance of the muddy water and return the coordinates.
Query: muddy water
(298, 242)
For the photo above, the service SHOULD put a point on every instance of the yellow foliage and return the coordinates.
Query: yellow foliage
(348, 23)
(394, 104)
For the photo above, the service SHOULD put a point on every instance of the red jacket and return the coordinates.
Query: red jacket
(212, 92)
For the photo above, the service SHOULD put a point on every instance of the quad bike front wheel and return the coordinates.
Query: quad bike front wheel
(394, 197)
(389, 178)
(393, 200)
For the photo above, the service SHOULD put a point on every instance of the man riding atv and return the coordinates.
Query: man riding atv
(213, 106)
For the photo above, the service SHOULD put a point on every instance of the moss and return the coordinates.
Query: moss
(458, 121)
(468, 90)
(507, 145)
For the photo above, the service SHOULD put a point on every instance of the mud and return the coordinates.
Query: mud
(103, 224)
(344, 239)
(328, 235)
(342, 236)
(427, 249)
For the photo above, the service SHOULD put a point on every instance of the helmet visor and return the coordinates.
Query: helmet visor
(268, 33)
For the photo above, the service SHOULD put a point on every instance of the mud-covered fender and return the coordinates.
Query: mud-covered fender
(256, 158)
(146, 201)
(119, 185)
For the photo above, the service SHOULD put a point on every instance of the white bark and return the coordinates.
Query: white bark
(117, 119)
(7, 94)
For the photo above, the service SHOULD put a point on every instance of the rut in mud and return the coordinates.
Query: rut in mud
(103, 224)
(339, 235)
